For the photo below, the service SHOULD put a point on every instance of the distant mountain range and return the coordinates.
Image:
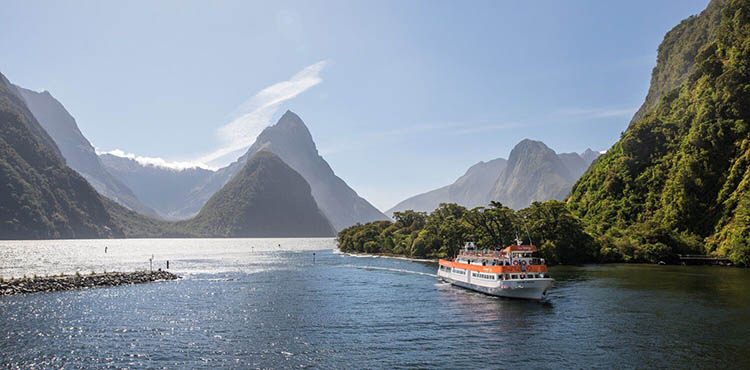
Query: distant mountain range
(78, 152)
(260, 195)
(533, 172)
(166, 190)
(189, 190)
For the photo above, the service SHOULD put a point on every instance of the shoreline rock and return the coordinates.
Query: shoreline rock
(70, 282)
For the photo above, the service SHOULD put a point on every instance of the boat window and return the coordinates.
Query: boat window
(514, 276)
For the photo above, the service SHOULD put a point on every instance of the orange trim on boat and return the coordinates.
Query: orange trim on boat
(493, 269)
(519, 248)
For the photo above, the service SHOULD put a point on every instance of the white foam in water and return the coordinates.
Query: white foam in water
(390, 269)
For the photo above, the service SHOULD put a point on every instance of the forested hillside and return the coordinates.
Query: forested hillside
(42, 198)
(267, 198)
(678, 180)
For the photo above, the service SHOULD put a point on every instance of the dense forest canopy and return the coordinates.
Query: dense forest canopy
(677, 181)
(550, 225)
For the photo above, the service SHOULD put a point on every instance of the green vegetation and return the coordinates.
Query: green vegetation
(676, 56)
(677, 181)
(267, 198)
(558, 233)
(41, 197)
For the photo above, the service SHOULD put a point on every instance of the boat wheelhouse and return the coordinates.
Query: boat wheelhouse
(512, 272)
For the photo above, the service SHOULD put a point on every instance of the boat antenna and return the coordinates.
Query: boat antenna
(527, 229)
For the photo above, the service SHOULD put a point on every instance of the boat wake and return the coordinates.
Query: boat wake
(403, 271)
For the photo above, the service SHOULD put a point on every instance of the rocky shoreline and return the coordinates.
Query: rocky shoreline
(79, 281)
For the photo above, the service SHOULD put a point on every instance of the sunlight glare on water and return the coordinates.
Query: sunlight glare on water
(250, 303)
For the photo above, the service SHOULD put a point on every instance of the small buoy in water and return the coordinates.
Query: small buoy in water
(313, 257)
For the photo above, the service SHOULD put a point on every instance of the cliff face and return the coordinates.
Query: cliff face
(677, 52)
(42, 198)
(534, 173)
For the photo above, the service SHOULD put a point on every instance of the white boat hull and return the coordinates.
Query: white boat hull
(534, 289)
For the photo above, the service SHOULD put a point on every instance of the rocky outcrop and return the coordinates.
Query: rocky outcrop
(70, 282)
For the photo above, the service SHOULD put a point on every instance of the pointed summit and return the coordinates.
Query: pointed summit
(291, 141)
(288, 129)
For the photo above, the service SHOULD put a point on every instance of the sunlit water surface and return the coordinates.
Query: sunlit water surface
(269, 303)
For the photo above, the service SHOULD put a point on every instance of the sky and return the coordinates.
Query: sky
(401, 97)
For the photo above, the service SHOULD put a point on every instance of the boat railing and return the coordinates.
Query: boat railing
(521, 260)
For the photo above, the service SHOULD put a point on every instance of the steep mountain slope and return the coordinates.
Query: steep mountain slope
(676, 54)
(78, 152)
(164, 189)
(266, 198)
(470, 190)
(534, 173)
(12, 99)
(679, 179)
(41, 196)
(537, 173)
(290, 139)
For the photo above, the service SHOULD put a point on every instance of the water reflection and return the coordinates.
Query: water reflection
(247, 307)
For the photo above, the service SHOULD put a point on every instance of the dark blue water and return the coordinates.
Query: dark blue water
(354, 312)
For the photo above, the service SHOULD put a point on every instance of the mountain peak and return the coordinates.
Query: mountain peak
(266, 198)
(289, 128)
(291, 119)
(527, 147)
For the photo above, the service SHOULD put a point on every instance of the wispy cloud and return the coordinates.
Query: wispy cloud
(256, 113)
(156, 161)
(591, 113)
(249, 119)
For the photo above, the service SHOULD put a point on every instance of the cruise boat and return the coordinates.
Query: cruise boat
(512, 272)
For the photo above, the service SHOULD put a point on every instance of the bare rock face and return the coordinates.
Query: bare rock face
(534, 173)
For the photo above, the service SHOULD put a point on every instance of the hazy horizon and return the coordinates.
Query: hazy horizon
(399, 99)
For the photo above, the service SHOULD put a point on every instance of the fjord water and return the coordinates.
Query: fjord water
(266, 303)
